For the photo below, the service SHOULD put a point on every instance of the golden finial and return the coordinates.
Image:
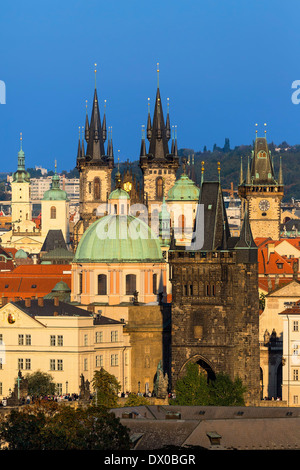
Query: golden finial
(202, 171)
(219, 169)
(256, 129)
(95, 73)
(21, 140)
(265, 124)
(157, 70)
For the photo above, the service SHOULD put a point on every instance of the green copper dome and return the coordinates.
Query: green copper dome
(118, 238)
(119, 194)
(184, 189)
(55, 193)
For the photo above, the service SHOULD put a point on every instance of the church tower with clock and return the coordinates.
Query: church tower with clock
(261, 192)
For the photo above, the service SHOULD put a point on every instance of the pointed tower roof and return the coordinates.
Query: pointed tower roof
(216, 233)
(95, 148)
(262, 171)
(158, 143)
(21, 175)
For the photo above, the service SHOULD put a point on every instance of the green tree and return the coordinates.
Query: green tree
(106, 389)
(61, 427)
(195, 389)
(225, 392)
(136, 400)
(192, 389)
(40, 383)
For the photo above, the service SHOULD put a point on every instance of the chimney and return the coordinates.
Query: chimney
(4, 300)
(56, 301)
(41, 301)
(271, 249)
(28, 303)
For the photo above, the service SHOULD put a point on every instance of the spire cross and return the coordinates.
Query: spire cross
(256, 130)
(21, 140)
(157, 70)
(265, 124)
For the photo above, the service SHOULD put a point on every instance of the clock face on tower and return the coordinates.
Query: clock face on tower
(264, 205)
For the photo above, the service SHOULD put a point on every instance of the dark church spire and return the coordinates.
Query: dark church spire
(95, 148)
(158, 148)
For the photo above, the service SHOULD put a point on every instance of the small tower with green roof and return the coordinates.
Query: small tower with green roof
(21, 208)
(55, 209)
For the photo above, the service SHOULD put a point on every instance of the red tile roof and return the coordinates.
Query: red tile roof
(35, 280)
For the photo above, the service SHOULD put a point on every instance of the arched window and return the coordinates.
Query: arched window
(80, 283)
(97, 188)
(154, 283)
(181, 222)
(130, 284)
(102, 284)
(53, 212)
(159, 188)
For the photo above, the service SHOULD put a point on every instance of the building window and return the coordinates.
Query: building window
(52, 364)
(295, 349)
(159, 188)
(90, 187)
(60, 340)
(126, 359)
(99, 336)
(114, 360)
(27, 364)
(1, 339)
(28, 340)
(21, 340)
(1, 388)
(20, 364)
(295, 325)
(85, 364)
(59, 364)
(295, 399)
(295, 375)
(85, 340)
(99, 361)
(59, 389)
(154, 283)
(52, 340)
(102, 284)
(114, 336)
(53, 212)
(97, 189)
(1, 363)
(80, 283)
(130, 284)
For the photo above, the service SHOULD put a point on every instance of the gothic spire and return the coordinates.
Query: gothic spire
(143, 144)
(241, 172)
(158, 148)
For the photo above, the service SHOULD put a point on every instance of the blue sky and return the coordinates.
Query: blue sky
(224, 64)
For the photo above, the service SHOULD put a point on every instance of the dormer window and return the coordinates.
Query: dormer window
(279, 265)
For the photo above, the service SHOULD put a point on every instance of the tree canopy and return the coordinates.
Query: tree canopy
(195, 390)
(49, 426)
(40, 383)
(106, 389)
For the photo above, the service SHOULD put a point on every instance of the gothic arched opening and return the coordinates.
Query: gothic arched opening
(206, 369)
